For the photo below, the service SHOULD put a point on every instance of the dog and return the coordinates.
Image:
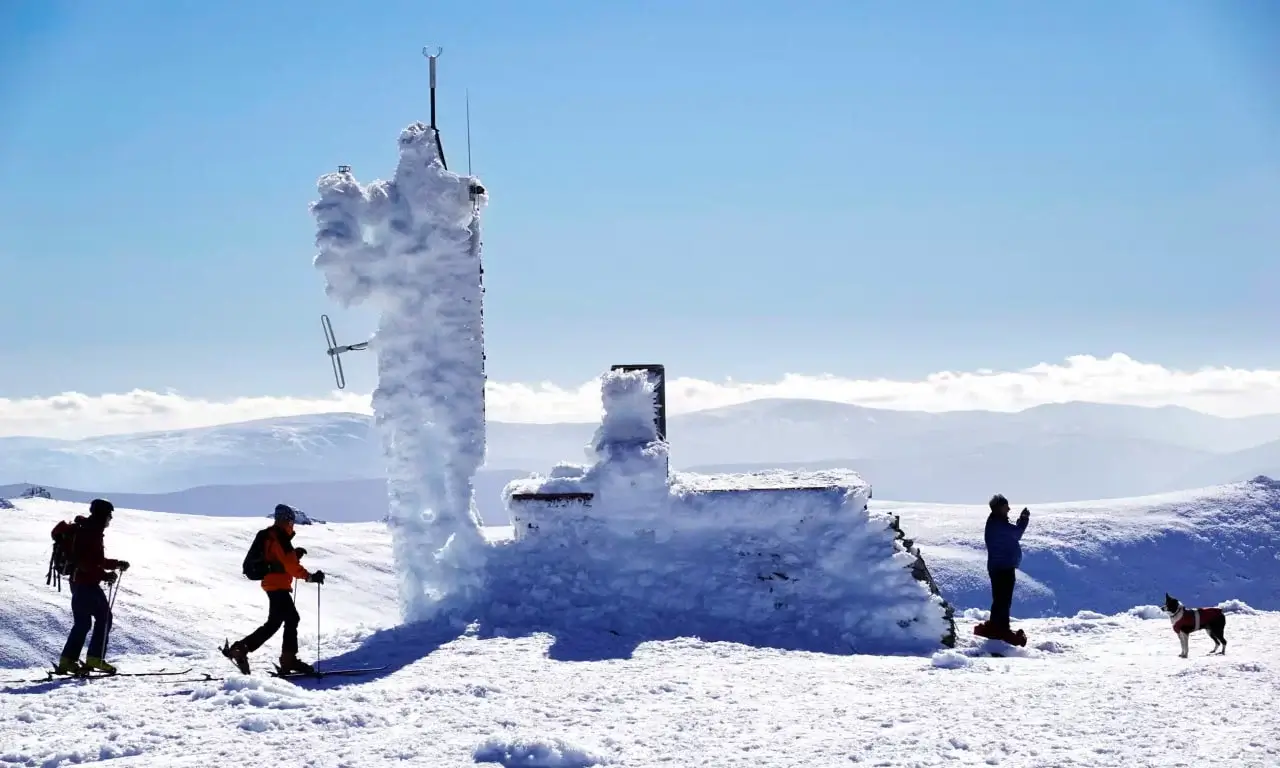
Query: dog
(1187, 620)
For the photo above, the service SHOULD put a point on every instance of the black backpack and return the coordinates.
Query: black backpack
(255, 560)
(63, 560)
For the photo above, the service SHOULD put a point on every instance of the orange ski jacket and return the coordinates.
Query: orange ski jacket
(285, 558)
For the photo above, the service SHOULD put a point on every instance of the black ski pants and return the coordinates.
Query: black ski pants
(1002, 583)
(89, 606)
(282, 611)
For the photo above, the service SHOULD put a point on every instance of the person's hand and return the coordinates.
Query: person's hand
(109, 578)
(1025, 512)
(123, 565)
(316, 578)
(301, 551)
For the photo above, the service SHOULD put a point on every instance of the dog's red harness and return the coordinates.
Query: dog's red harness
(1194, 619)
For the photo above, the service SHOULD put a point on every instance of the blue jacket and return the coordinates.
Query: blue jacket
(1004, 541)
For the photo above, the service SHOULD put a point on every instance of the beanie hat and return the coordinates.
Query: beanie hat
(285, 513)
(101, 508)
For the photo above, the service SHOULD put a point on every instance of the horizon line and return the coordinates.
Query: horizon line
(1118, 380)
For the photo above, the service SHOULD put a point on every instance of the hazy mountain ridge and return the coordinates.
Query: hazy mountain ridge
(1047, 453)
(333, 501)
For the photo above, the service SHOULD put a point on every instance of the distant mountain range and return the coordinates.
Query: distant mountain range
(333, 501)
(1060, 452)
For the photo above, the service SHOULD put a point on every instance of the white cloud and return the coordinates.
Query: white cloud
(1116, 379)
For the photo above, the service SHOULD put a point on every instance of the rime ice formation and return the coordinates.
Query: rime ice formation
(794, 559)
(411, 247)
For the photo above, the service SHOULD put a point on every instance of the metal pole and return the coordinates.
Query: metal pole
(431, 59)
(111, 613)
(318, 627)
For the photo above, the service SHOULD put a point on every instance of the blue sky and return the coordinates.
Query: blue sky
(734, 189)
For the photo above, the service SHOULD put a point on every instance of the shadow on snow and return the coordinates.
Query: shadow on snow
(585, 634)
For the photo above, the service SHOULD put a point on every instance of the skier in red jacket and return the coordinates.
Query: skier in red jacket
(89, 604)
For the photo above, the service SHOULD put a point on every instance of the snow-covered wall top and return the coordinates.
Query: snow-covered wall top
(411, 247)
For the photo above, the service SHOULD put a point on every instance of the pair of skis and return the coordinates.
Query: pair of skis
(225, 650)
(323, 673)
(54, 674)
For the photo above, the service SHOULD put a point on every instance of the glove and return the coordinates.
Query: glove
(1025, 512)
(109, 578)
(316, 578)
(123, 565)
(300, 551)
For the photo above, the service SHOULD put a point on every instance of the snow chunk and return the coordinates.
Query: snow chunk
(1147, 612)
(242, 690)
(260, 723)
(1238, 606)
(950, 659)
(535, 753)
(411, 247)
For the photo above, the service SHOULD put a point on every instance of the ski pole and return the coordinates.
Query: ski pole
(318, 627)
(111, 614)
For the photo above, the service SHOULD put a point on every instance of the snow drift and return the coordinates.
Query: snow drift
(780, 558)
(411, 247)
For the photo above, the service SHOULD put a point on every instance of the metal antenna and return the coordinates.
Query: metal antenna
(335, 352)
(469, 132)
(431, 59)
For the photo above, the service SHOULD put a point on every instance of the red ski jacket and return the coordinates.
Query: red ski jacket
(91, 561)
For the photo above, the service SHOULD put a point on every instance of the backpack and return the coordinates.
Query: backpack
(255, 565)
(63, 560)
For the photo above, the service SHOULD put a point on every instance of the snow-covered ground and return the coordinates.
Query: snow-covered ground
(1089, 689)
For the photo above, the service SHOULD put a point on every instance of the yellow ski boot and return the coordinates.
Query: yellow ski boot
(67, 666)
(95, 663)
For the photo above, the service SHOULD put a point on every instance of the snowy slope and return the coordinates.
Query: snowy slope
(184, 591)
(1204, 546)
(1089, 690)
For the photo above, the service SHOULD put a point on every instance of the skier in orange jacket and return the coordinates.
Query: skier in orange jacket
(282, 560)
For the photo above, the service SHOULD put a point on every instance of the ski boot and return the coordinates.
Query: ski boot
(291, 665)
(238, 655)
(69, 666)
(94, 663)
(1003, 634)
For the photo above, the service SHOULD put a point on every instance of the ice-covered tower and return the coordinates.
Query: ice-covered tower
(411, 247)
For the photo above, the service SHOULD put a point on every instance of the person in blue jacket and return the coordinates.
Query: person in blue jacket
(1004, 555)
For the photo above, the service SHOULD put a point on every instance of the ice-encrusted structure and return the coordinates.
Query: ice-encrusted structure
(411, 247)
(774, 558)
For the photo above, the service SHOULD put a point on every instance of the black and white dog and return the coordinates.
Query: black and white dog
(1187, 620)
